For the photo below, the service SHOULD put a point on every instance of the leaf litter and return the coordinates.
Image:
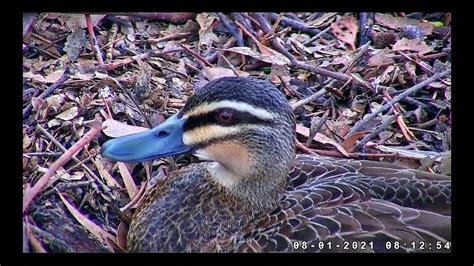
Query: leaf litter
(149, 76)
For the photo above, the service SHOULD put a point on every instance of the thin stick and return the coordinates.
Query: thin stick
(174, 36)
(111, 40)
(274, 41)
(93, 39)
(52, 154)
(299, 26)
(401, 123)
(311, 98)
(196, 55)
(396, 99)
(212, 58)
(48, 91)
(376, 131)
(303, 148)
(315, 37)
(91, 175)
(244, 21)
(315, 127)
(233, 31)
(229, 64)
(43, 181)
(117, 64)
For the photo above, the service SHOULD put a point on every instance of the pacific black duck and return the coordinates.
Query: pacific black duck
(252, 193)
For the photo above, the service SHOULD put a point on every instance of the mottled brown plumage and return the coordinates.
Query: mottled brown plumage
(284, 198)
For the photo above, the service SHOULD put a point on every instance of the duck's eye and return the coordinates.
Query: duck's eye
(225, 117)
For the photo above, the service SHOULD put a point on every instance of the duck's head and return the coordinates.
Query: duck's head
(244, 125)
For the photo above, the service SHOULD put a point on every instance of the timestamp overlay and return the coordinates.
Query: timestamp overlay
(370, 246)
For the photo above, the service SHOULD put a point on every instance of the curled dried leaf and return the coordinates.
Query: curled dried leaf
(115, 129)
(345, 30)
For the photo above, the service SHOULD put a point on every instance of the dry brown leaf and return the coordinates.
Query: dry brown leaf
(300, 129)
(392, 22)
(122, 231)
(345, 30)
(127, 180)
(206, 36)
(35, 243)
(75, 43)
(379, 59)
(75, 21)
(212, 73)
(445, 165)
(350, 141)
(276, 58)
(76, 176)
(415, 45)
(50, 78)
(280, 71)
(111, 182)
(323, 19)
(68, 114)
(97, 231)
(115, 129)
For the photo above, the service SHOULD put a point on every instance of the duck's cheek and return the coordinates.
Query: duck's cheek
(232, 155)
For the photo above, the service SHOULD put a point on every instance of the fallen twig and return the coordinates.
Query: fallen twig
(196, 55)
(317, 36)
(175, 18)
(127, 61)
(233, 31)
(212, 58)
(110, 40)
(43, 181)
(321, 71)
(48, 91)
(303, 148)
(174, 36)
(274, 40)
(294, 17)
(397, 98)
(51, 154)
(315, 127)
(230, 65)
(92, 176)
(401, 123)
(365, 25)
(244, 21)
(376, 131)
(299, 26)
(309, 99)
(93, 39)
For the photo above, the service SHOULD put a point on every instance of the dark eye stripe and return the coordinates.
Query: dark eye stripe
(239, 118)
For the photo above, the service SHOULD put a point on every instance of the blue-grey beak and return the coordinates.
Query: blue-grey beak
(163, 140)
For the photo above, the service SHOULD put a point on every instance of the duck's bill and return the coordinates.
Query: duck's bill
(163, 140)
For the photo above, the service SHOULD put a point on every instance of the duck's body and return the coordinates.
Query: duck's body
(256, 195)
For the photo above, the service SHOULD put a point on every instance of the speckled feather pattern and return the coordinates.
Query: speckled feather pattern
(286, 198)
(326, 199)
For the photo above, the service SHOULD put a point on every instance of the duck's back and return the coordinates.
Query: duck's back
(355, 206)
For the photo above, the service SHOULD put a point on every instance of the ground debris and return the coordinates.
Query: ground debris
(140, 68)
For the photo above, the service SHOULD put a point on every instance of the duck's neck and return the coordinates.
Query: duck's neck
(262, 187)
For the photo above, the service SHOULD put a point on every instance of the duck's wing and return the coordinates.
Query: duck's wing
(355, 206)
(402, 186)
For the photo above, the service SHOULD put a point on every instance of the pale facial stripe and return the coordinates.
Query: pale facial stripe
(239, 106)
(205, 133)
